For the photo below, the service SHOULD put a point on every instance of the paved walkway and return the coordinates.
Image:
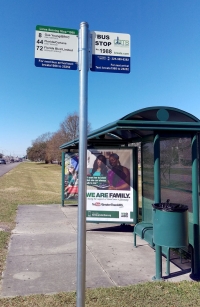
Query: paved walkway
(42, 254)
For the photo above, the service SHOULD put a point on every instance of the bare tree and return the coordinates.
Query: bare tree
(43, 138)
(37, 152)
(46, 146)
(53, 151)
(70, 127)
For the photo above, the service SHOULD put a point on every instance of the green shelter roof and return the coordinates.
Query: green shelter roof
(139, 125)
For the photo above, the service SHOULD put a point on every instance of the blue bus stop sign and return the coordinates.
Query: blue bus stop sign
(110, 52)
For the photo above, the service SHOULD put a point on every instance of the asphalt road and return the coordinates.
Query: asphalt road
(5, 168)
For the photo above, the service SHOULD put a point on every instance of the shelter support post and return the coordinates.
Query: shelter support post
(195, 202)
(142, 162)
(157, 199)
(135, 185)
(63, 179)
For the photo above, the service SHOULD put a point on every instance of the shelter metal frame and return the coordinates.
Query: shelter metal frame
(151, 124)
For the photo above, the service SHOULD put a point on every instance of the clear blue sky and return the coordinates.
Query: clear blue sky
(165, 64)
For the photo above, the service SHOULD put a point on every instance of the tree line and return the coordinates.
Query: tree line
(46, 146)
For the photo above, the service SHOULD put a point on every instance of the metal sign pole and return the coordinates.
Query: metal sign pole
(81, 235)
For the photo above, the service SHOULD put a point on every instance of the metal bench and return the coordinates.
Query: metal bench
(145, 231)
(142, 230)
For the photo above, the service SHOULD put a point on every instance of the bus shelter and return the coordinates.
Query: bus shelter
(167, 140)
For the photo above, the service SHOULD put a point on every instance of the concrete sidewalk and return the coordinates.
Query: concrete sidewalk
(42, 254)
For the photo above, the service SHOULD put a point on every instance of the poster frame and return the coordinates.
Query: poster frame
(134, 156)
(134, 215)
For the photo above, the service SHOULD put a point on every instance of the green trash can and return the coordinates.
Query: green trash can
(170, 224)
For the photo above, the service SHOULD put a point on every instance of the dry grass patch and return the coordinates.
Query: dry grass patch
(31, 183)
(150, 294)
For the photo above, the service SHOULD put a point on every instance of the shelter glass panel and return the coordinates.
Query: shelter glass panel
(176, 170)
(147, 163)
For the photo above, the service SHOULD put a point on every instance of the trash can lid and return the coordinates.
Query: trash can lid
(170, 207)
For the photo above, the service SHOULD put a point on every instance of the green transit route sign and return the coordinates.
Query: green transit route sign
(56, 47)
(57, 30)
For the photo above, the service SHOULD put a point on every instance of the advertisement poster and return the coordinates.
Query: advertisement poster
(71, 176)
(109, 185)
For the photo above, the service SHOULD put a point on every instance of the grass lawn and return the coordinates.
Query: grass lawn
(36, 183)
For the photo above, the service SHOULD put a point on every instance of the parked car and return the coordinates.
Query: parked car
(2, 161)
(12, 160)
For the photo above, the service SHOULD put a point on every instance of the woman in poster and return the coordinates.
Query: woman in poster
(118, 176)
(99, 167)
